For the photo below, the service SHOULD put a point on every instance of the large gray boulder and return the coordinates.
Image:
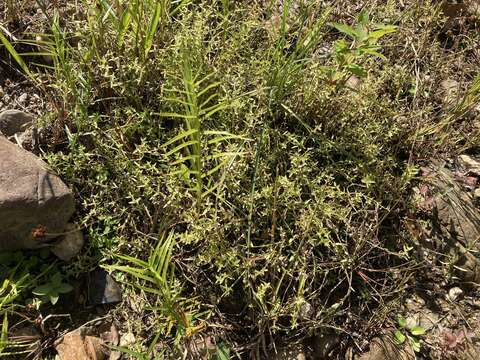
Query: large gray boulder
(35, 204)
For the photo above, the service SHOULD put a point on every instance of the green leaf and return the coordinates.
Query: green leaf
(373, 52)
(357, 70)
(15, 55)
(56, 279)
(381, 31)
(417, 330)
(42, 290)
(124, 25)
(345, 29)
(64, 288)
(53, 297)
(415, 344)
(223, 352)
(399, 337)
(153, 28)
(364, 17)
(402, 322)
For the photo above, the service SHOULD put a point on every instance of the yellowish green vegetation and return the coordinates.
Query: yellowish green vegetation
(244, 167)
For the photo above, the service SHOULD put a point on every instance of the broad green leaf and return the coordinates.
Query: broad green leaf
(402, 322)
(42, 290)
(381, 31)
(64, 288)
(56, 279)
(399, 337)
(345, 29)
(53, 296)
(357, 70)
(123, 26)
(364, 17)
(417, 330)
(415, 344)
(373, 52)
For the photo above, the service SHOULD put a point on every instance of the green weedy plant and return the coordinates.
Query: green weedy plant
(140, 20)
(15, 55)
(411, 334)
(286, 65)
(52, 289)
(442, 131)
(156, 276)
(364, 37)
(18, 275)
(196, 150)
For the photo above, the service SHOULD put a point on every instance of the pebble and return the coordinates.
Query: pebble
(476, 194)
(306, 311)
(127, 339)
(22, 99)
(471, 165)
(14, 121)
(70, 244)
(454, 293)
(102, 289)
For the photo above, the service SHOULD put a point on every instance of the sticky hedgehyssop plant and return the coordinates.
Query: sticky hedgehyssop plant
(229, 174)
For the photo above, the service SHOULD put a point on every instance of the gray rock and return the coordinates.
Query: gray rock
(35, 204)
(323, 344)
(470, 165)
(69, 244)
(454, 293)
(457, 221)
(384, 348)
(454, 208)
(102, 289)
(14, 121)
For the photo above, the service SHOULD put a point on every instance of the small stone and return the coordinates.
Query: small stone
(353, 82)
(306, 311)
(323, 344)
(22, 99)
(476, 193)
(449, 91)
(385, 348)
(14, 121)
(454, 293)
(69, 244)
(471, 165)
(127, 339)
(102, 289)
